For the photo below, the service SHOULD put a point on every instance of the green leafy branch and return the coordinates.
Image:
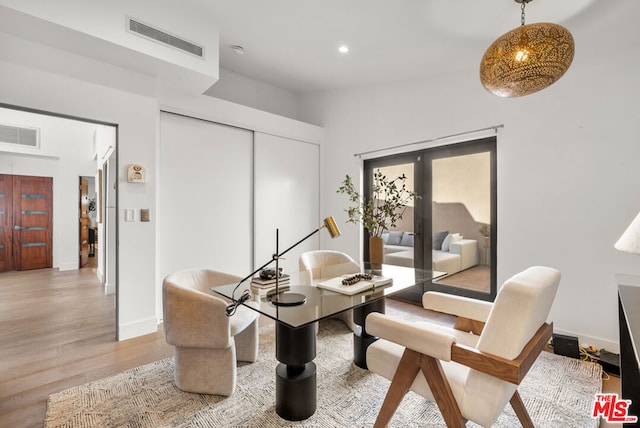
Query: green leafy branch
(386, 205)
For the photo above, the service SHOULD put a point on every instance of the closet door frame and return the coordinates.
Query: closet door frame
(280, 190)
(205, 196)
(286, 197)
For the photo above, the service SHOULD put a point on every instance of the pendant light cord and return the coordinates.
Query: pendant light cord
(522, 6)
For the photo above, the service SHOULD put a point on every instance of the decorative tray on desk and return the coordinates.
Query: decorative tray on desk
(352, 286)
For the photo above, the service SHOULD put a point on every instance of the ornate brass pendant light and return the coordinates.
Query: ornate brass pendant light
(526, 59)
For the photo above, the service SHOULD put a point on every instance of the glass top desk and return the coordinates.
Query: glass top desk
(296, 328)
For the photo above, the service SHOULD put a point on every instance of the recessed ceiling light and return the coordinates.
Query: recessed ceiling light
(237, 49)
(343, 49)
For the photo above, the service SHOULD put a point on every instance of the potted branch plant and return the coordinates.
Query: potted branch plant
(379, 211)
(485, 231)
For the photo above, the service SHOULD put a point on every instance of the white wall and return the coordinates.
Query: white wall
(98, 30)
(66, 152)
(172, 99)
(137, 117)
(567, 165)
(105, 140)
(249, 92)
(90, 93)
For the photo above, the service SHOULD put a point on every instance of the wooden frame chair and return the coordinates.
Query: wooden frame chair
(473, 369)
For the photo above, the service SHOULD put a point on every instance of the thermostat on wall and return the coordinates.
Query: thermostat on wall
(136, 173)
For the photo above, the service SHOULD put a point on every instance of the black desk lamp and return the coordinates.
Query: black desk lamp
(283, 299)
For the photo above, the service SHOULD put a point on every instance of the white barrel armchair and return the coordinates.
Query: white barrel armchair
(329, 264)
(207, 342)
(472, 370)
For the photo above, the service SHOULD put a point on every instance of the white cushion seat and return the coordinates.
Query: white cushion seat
(503, 336)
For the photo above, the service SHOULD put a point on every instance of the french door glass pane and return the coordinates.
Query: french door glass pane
(399, 239)
(457, 184)
(461, 218)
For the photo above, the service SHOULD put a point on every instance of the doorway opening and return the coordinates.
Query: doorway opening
(87, 221)
(66, 148)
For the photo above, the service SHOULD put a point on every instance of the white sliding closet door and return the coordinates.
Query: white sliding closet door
(287, 189)
(205, 209)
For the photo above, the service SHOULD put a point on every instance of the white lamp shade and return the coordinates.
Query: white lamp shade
(630, 239)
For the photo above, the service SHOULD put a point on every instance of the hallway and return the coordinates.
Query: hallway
(57, 330)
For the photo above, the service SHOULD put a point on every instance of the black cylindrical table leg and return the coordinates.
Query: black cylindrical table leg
(296, 395)
(362, 339)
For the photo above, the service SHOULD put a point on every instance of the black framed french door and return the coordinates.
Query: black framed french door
(411, 165)
(458, 208)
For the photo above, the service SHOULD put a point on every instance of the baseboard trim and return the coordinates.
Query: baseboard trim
(68, 266)
(137, 328)
(100, 275)
(109, 289)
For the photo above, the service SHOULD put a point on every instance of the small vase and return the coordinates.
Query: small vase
(376, 246)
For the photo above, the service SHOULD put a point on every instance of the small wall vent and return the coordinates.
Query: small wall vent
(19, 135)
(163, 37)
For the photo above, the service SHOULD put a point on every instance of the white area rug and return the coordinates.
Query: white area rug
(558, 392)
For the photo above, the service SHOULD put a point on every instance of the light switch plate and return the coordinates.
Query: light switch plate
(144, 214)
(128, 215)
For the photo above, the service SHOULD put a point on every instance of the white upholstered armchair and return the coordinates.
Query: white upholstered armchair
(473, 369)
(207, 342)
(329, 264)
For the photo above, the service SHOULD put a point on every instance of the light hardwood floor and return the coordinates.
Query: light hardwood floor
(57, 330)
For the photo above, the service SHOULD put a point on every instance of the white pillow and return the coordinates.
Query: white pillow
(452, 237)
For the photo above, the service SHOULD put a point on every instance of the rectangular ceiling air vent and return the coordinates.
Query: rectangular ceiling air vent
(163, 37)
(19, 135)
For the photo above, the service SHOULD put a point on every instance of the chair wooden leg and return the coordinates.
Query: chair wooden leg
(408, 368)
(521, 411)
(441, 390)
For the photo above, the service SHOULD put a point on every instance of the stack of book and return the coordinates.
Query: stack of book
(262, 287)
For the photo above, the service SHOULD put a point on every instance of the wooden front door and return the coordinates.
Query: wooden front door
(27, 230)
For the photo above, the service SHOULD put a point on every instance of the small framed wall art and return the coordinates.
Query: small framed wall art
(136, 173)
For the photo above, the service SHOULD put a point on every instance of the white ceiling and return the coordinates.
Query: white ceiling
(293, 44)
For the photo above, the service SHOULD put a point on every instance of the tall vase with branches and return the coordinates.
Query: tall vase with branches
(380, 210)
